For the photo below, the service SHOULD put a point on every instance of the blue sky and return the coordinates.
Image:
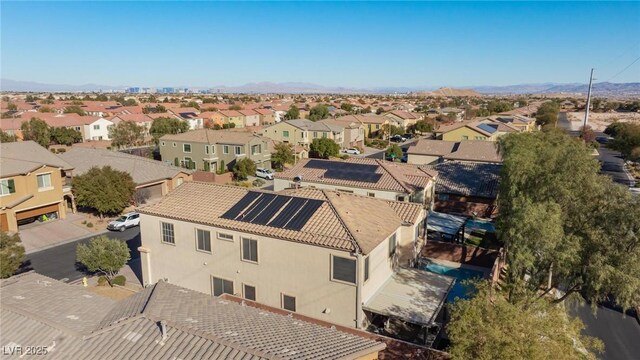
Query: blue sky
(334, 44)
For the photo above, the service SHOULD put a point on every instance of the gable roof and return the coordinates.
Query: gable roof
(142, 170)
(210, 136)
(22, 157)
(391, 176)
(308, 125)
(337, 223)
(83, 325)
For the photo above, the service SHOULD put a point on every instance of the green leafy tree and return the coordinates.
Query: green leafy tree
(102, 97)
(565, 226)
(36, 130)
(587, 134)
(74, 109)
(496, 107)
(235, 107)
(243, 168)
(292, 113)
(126, 134)
(346, 107)
(192, 104)
(487, 326)
(11, 254)
(422, 126)
(46, 109)
(318, 112)
(12, 107)
(103, 255)
(5, 137)
(626, 137)
(547, 114)
(105, 190)
(65, 136)
(30, 98)
(323, 148)
(388, 130)
(282, 154)
(379, 111)
(394, 151)
(165, 125)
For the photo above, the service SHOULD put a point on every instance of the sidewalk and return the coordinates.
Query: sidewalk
(39, 236)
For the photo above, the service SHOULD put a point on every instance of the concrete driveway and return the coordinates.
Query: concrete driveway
(37, 236)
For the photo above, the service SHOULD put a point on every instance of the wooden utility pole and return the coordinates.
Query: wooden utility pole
(586, 112)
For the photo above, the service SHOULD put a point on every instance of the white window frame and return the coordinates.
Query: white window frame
(355, 273)
(225, 149)
(4, 184)
(96, 127)
(233, 285)
(237, 150)
(185, 150)
(162, 233)
(44, 188)
(223, 238)
(295, 302)
(244, 293)
(256, 261)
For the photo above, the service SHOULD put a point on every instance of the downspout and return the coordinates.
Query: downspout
(358, 289)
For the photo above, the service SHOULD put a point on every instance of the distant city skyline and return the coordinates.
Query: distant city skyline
(355, 45)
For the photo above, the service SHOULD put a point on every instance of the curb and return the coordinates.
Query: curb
(65, 242)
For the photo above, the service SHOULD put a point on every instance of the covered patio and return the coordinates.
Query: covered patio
(407, 306)
(445, 227)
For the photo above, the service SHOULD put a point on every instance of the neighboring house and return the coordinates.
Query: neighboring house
(96, 128)
(522, 123)
(371, 123)
(153, 179)
(465, 188)
(232, 117)
(33, 182)
(143, 120)
(353, 131)
(90, 127)
(267, 116)
(479, 129)
(322, 254)
(12, 126)
(405, 119)
(190, 115)
(427, 151)
(361, 176)
(303, 131)
(455, 113)
(251, 117)
(162, 321)
(209, 149)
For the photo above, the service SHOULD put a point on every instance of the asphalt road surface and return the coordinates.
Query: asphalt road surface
(620, 333)
(60, 262)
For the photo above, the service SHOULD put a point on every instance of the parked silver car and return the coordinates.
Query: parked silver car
(124, 222)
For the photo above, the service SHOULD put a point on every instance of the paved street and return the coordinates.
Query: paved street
(620, 333)
(60, 262)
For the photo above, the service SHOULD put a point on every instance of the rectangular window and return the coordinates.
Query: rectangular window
(465, 138)
(223, 236)
(238, 150)
(249, 292)
(206, 149)
(400, 198)
(203, 239)
(366, 268)
(250, 250)
(96, 127)
(7, 186)
(371, 194)
(167, 233)
(324, 135)
(285, 133)
(315, 134)
(225, 149)
(344, 269)
(186, 148)
(213, 149)
(222, 286)
(392, 245)
(44, 181)
(289, 302)
(256, 149)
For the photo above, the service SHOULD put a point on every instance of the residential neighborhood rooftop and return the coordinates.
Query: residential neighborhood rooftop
(209, 136)
(22, 157)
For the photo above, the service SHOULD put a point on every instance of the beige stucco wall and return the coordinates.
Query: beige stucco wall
(296, 136)
(422, 159)
(28, 185)
(295, 269)
(460, 133)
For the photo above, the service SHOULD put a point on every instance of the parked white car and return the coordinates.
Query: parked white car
(264, 173)
(352, 151)
(124, 222)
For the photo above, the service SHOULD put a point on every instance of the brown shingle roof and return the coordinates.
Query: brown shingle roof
(24, 156)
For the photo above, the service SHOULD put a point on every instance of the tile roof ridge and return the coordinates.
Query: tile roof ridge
(350, 231)
(401, 182)
(41, 319)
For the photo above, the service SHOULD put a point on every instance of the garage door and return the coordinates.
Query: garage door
(4, 224)
(36, 212)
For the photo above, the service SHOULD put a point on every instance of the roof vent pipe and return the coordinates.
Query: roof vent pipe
(163, 329)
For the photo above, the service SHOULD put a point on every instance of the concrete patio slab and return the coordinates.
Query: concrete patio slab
(38, 236)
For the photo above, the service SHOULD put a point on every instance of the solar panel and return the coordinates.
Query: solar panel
(340, 165)
(257, 207)
(352, 175)
(305, 213)
(240, 205)
(283, 218)
(488, 128)
(271, 210)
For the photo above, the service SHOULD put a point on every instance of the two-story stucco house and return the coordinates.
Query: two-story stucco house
(404, 118)
(361, 176)
(209, 150)
(32, 183)
(251, 117)
(303, 131)
(319, 253)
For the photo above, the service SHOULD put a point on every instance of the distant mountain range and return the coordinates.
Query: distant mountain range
(604, 88)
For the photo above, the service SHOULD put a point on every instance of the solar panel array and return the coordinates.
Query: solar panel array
(488, 128)
(346, 171)
(261, 208)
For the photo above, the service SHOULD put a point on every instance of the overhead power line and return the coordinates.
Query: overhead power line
(623, 70)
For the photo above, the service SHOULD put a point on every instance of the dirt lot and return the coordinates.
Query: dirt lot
(116, 293)
(599, 121)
